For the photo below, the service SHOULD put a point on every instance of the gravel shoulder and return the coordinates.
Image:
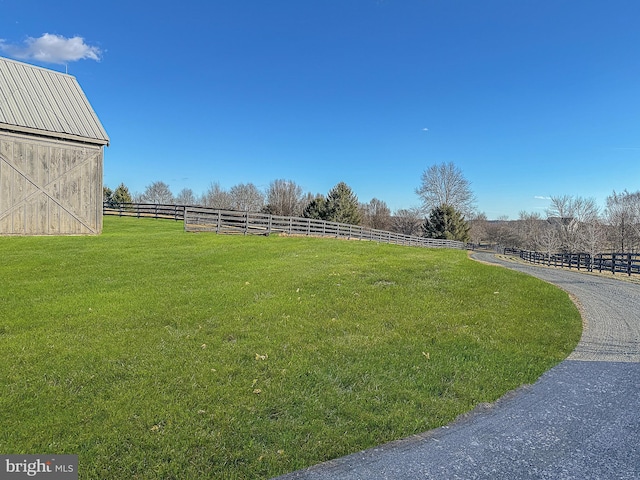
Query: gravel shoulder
(610, 309)
(578, 421)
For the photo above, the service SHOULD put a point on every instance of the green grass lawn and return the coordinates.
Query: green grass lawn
(155, 353)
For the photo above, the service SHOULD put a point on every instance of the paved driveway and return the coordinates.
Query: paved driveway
(580, 420)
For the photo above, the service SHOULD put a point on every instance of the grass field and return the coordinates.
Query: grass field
(155, 353)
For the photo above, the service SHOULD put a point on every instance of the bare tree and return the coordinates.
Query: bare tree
(623, 214)
(157, 192)
(246, 197)
(478, 224)
(502, 232)
(284, 197)
(635, 208)
(594, 238)
(444, 184)
(529, 227)
(560, 206)
(407, 221)
(549, 240)
(569, 215)
(217, 197)
(186, 197)
(376, 214)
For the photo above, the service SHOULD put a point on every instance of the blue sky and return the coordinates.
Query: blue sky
(528, 98)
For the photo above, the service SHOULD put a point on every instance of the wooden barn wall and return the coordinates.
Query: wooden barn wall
(49, 187)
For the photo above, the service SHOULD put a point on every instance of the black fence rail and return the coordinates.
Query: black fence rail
(201, 219)
(628, 263)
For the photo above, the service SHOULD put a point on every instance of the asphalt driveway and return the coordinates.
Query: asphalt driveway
(580, 420)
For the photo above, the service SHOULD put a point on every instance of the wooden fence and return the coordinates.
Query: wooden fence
(201, 219)
(628, 263)
(175, 212)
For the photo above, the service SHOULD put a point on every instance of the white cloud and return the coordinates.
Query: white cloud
(52, 48)
(541, 197)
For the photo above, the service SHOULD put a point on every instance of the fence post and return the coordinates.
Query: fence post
(613, 263)
(218, 222)
(185, 218)
(583, 261)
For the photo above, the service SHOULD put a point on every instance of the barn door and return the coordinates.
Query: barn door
(49, 188)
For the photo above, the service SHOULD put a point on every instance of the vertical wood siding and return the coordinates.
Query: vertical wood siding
(49, 187)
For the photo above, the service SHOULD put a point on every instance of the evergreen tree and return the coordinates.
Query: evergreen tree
(113, 198)
(316, 208)
(447, 223)
(342, 205)
(107, 196)
(121, 195)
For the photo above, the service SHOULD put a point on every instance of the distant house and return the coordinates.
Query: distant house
(51, 154)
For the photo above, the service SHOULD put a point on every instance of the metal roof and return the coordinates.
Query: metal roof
(45, 102)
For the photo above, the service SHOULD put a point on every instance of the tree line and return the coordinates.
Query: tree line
(571, 224)
(286, 198)
(447, 211)
(282, 197)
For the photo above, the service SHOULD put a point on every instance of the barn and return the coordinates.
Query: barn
(51, 154)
